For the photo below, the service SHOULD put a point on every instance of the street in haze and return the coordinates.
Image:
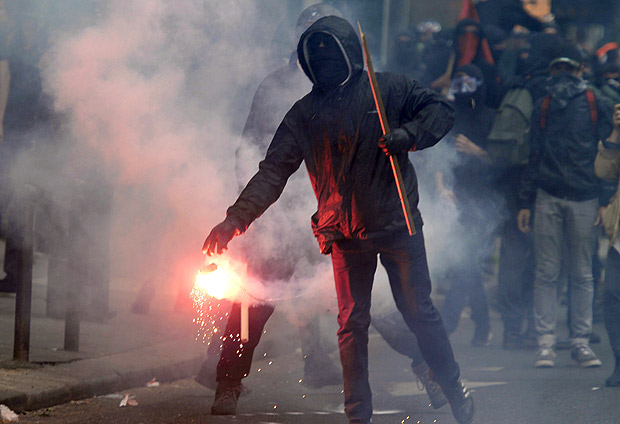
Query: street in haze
(507, 390)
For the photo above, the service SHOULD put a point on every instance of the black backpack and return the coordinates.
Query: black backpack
(508, 143)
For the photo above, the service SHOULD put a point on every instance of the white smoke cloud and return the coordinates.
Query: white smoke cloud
(153, 95)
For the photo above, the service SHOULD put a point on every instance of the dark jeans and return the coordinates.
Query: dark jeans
(611, 300)
(466, 288)
(404, 259)
(397, 335)
(475, 241)
(235, 360)
(515, 278)
(236, 357)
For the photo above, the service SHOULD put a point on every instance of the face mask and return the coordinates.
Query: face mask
(614, 83)
(326, 60)
(464, 85)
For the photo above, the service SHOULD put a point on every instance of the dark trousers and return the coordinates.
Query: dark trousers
(466, 288)
(236, 357)
(404, 259)
(515, 278)
(611, 300)
(397, 335)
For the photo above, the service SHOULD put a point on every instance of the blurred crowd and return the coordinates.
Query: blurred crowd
(536, 123)
(535, 105)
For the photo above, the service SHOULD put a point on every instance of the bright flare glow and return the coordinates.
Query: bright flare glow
(216, 283)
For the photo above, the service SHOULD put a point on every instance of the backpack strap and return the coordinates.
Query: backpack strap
(591, 103)
(543, 111)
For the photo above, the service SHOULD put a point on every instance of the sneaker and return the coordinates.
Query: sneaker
(545, 358)
(462, 404)
(482, 339)
(226, 397)
(614, 379)
(434, 392)
(584, 356)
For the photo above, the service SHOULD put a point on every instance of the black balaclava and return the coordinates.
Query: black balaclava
(326, 60)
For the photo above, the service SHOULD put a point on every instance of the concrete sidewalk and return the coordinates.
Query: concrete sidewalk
(127, 350)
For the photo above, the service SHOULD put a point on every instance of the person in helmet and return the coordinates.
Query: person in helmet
(334, 129)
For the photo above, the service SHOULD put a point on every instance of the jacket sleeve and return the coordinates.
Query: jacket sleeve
(425, 115)
(283, 158)
(607, 163)
(605, 127)
(528, 184)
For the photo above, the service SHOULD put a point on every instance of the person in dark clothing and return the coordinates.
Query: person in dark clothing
(334, 131)
(404, 58)
(434, 48)
(608, 81)
(606, 166)
(274, 96)
(515, 275)
(544, 48)
(469, 47)
(476, 198)
(560, 180)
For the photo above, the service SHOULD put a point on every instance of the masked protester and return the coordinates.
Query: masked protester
(224, 371)
(477, 202)
(560, 185)
(471, 47)
(405, 55)
(335, 131)
(608, 81)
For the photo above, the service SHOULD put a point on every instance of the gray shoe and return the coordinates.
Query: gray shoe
(434, 392)
(462, 403)
(545, 357)
(584, 356)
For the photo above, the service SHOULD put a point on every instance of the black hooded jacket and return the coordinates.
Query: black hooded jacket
(336, 132)
(563, 152)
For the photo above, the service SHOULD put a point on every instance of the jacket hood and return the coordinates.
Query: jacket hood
(345, 37)
(564, 86)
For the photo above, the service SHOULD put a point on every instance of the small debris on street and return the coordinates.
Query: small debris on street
(128, 400)
(7, 415)
(153, 383)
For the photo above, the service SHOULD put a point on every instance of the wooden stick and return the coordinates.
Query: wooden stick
(400, 184)
(245, 321)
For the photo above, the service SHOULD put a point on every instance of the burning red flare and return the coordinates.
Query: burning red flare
(216, 281)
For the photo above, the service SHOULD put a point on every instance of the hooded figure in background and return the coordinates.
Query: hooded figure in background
(476, 200)
(469, 43)
(405, 56)
(335, 131)
(544, 47)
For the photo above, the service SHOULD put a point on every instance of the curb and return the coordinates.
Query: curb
(28, 389)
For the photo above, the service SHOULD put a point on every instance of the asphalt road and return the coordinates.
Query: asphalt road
(506, 388)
